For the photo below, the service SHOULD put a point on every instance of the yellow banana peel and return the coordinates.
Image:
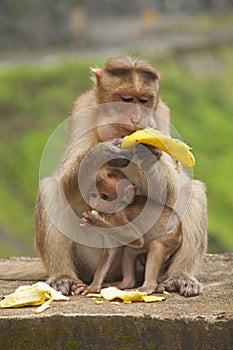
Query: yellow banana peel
(152, 298)
(113, 293)
(39, 293)
(26, 297)
(177, 149)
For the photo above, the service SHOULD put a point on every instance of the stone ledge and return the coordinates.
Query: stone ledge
(204, 322)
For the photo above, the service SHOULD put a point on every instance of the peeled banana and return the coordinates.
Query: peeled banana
(177, 149)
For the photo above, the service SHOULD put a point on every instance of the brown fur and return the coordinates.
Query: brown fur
(54, 247)
(161, 241)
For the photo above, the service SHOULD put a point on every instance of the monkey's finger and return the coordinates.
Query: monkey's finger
(142, 151)
(86, 216)
(156, 151)
(80, 289)
(121, 152)
(117, 142)
(77, 285)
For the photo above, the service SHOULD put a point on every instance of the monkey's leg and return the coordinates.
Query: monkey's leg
(159, 251)
(186, 261)
(106, 260)
(128, 264)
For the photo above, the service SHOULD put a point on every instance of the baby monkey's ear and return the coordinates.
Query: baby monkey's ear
(129, 194)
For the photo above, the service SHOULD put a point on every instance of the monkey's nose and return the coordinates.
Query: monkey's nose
(135, 119)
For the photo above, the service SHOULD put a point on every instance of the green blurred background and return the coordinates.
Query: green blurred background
(39, 80)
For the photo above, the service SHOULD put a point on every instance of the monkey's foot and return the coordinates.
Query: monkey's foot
(122, 285)
(147, 289)
(79, 288)
(63, 284)
(92, 288)
(185, 285)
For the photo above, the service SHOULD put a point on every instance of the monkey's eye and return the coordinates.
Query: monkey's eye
(104, 196)
(93, 195)
(143, 99)
(126, 98)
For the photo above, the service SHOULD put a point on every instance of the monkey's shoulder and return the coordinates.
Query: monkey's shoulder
(83, 101)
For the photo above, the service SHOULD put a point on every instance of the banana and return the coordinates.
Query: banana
(177, 149)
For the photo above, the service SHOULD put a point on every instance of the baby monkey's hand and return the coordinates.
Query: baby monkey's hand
(94, 218)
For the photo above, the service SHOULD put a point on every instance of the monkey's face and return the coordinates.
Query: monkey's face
(111, 193)
(122, 119)
(102, 200)
(133, 83)
(128, 80)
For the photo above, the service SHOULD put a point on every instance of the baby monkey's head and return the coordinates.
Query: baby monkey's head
(112, 191)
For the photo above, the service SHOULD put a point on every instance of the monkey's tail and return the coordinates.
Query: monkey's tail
(22, 269)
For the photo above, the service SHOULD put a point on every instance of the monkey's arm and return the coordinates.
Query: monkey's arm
(69, 169)
(115, 223)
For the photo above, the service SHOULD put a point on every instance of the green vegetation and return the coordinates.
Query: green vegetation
(35, 99)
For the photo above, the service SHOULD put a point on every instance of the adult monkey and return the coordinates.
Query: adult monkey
(131, 81)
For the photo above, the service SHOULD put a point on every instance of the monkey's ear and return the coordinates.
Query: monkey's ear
(129, 194)
(156, 75)
(97, 72)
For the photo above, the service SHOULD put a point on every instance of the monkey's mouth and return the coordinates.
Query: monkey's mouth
(129, 129)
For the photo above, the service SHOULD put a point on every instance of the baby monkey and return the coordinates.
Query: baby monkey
(114, 204)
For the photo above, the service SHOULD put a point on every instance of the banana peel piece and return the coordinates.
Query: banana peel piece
(39, 293)
(112, 293)
(152, 298)
(177, 149)
(24, 297)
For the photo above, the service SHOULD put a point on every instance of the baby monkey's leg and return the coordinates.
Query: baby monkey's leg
(160, 250)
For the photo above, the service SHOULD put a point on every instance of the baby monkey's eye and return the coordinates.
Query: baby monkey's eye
(143, 99)
(126, 98)
(104, 196)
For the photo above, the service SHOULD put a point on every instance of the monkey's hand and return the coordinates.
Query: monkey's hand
(120, 157)
(148, 155)
(95, 219)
